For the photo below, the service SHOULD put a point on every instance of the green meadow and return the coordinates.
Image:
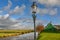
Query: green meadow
(49, 36)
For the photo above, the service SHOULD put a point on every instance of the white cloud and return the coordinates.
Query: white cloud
(11, 23)
(50, 11)
(49, 6)
(0, 16)
(6, 16)
(53, 11)
(42, 11)
(1, 12)
(50, 2)
(6, 8)
(4, 23)
(17, 10)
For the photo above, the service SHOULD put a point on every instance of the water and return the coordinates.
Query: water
(29, 36)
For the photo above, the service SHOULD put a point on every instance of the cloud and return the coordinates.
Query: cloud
(30, 21)
(4, 23)
(42, 11)
(1, 11)
(53, 11)
(49, 3)
(6, 16)
(50, 7)
(18, 24)
(17, 10)
(50, 11)
(11, 23)
(6, 8)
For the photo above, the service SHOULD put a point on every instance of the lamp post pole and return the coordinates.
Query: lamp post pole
(34, 17)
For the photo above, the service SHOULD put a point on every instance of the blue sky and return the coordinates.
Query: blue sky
(19, 12)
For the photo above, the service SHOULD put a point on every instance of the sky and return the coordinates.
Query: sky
(17, 14)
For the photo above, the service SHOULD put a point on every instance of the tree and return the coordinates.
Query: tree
(40, 28)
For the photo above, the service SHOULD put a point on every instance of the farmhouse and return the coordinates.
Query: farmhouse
(57, 27)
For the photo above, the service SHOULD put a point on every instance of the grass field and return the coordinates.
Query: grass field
(49, 36)
(9, 33)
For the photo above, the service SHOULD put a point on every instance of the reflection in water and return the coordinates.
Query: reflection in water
(29, 36)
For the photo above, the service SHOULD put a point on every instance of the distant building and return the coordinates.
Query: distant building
(57, 27)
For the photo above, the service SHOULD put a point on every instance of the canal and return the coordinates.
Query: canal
(29, 36)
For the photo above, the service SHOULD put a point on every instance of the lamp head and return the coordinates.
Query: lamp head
(34, 7)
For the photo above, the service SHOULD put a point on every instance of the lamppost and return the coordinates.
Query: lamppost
(34, 9)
